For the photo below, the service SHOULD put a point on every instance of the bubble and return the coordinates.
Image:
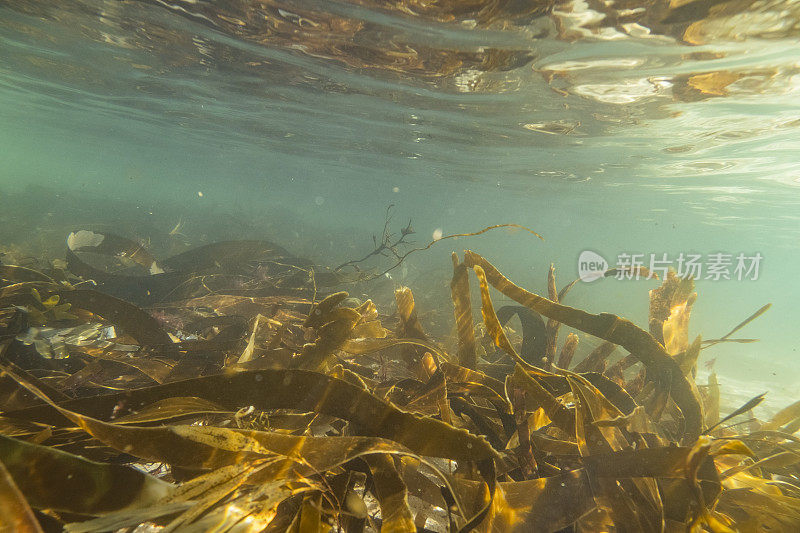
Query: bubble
(437, 234)
(395, 189)
(259, 377)
(319, 200)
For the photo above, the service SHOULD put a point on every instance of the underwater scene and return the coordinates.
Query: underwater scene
(399, 266)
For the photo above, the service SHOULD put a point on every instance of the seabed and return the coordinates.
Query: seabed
(237, 387)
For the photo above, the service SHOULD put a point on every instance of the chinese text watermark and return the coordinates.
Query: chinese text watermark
(713, 266)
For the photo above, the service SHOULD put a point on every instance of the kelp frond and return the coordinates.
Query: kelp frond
(225, 389)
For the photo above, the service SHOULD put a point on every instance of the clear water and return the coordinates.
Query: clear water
(642, 127)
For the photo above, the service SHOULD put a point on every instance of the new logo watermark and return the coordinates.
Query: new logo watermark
(714, 266)
(591, 266)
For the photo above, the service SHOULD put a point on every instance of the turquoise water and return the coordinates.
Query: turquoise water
(650, 129)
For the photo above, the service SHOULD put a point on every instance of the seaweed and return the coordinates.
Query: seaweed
(462, 309)
(243, 393)
(17, 513)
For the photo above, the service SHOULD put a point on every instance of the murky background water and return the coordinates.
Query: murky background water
(618, 127)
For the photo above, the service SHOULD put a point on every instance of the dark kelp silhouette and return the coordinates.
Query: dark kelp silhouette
(225, 389)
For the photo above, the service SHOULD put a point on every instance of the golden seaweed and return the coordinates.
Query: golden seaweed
(462, 308)
(15, 513)
(392, 496)
(257, 400)
(726, 337)
(612, 329)
(53, 479)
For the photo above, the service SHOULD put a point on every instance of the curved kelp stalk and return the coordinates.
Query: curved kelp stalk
(662, 369)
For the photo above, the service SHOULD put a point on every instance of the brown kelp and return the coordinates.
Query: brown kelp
(226, 388)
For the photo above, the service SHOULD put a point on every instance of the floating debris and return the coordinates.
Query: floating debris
(555, 127)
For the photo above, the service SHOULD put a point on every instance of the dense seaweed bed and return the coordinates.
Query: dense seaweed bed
(235, 387)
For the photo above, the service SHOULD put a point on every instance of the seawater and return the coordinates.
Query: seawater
(657, 128)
